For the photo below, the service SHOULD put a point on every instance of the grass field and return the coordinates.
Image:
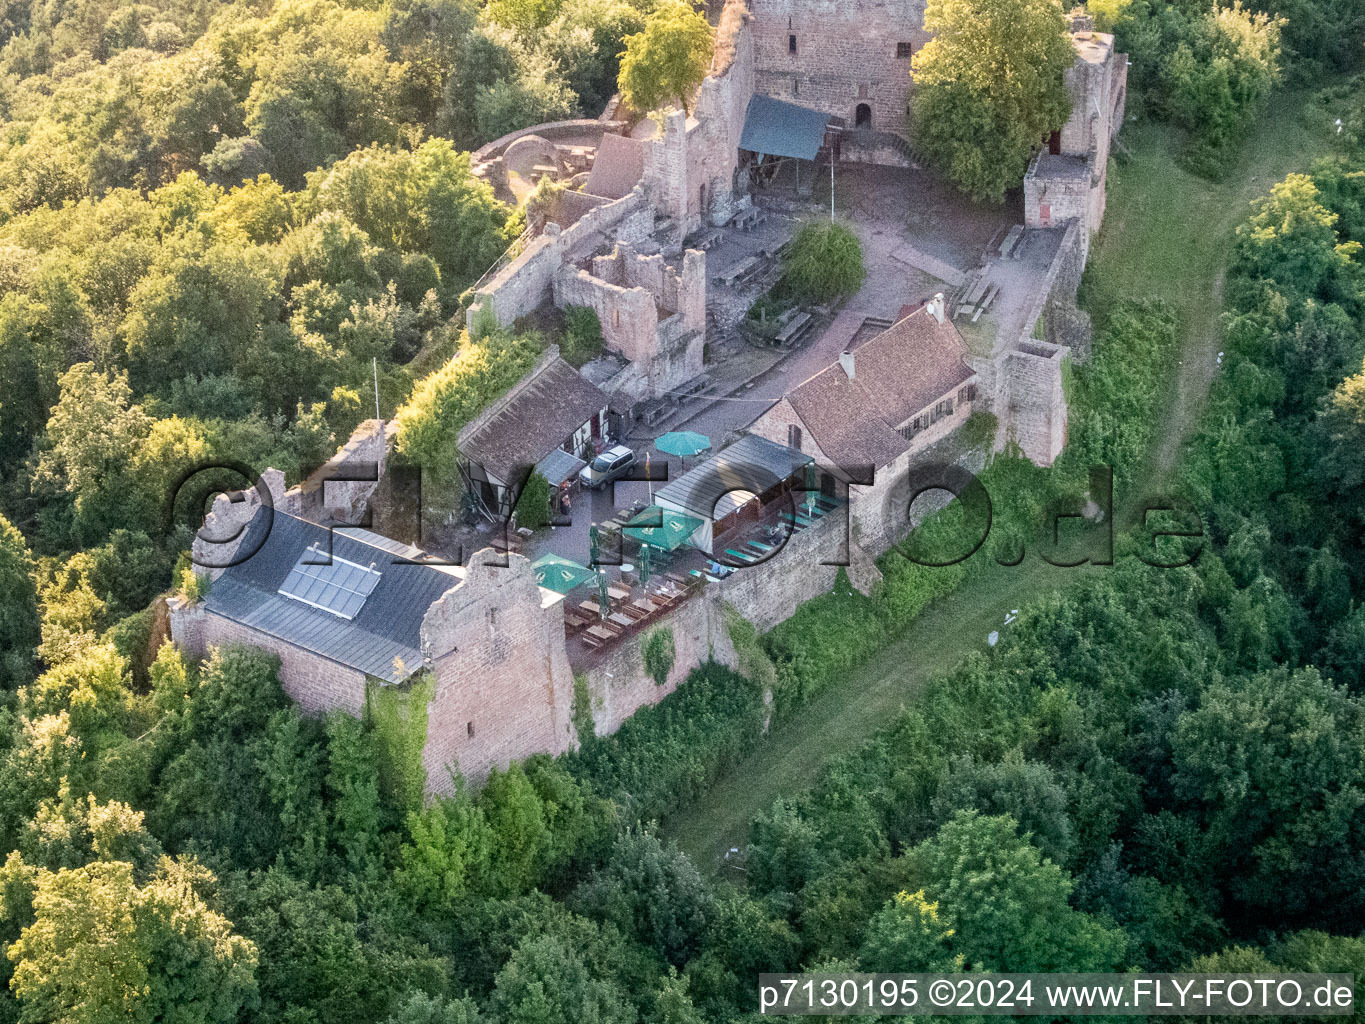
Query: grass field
(1167, 233)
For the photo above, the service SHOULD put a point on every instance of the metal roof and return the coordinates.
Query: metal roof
(752, 464)
(559, 466)
(382, 639)
(778, 128)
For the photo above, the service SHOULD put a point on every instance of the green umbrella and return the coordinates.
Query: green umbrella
(683, 443)
(664, 530)
(646, 557)
(593, 550)
(560, 574)
(603, 598)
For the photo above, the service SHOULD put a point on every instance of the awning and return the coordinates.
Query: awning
(559, 466)
(778, 128)
(672, 532)
(752, 465)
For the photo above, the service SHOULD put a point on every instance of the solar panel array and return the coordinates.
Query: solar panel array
(330, 583)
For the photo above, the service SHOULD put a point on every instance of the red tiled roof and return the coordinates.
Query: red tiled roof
(896, 374)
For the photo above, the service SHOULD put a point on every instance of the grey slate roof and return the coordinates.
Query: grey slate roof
(752, 464)
(387, 624)
(533, 419)
(777, 128)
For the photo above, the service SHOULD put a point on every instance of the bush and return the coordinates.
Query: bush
(533, 506)
(665, 756)
(824, 263)
(660, 653)
(582, 341)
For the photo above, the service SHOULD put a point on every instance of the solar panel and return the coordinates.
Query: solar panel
(330, 583)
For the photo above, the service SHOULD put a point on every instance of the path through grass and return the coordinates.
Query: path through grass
(1167, 233)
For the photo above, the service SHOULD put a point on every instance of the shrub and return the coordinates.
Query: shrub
(665, 756)
(824, 263)
(582, 341)
(660, 653)
(533, 506)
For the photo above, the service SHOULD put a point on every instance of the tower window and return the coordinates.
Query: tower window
(469, 728)
(904, 51)
(791, 44)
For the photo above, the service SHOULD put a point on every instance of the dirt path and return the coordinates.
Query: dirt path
(1198, 367)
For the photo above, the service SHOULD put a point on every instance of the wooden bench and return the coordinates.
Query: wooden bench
(739, 272)
(1009, 247)
(790, 334)
(986, 301)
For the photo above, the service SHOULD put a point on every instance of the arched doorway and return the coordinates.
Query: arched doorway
(862, 116)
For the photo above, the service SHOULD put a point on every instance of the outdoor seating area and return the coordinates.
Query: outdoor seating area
(753, 542)
(627, 609)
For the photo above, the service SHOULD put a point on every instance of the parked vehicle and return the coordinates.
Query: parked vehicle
(612, 464)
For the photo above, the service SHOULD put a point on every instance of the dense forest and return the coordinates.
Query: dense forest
(216, 219)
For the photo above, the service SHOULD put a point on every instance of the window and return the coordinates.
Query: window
(794, 436)
(904, 51)
(469, 728)
(791, 44)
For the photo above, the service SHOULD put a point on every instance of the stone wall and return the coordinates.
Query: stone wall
(848, 53)
(771, 591)
(525, 283)
(316, 684)
(504, 690)
(328, 496)
(886, 148)
(1035, 413)
(618, 686)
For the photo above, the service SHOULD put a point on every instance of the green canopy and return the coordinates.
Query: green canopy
(683, 443)
(560, 574)
(671, 532)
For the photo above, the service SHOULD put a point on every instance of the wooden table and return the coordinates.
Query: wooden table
(593, 608)
(621, 620)
(598, 635)
(618, 593)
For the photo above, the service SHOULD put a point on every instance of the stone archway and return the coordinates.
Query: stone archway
(862, 116)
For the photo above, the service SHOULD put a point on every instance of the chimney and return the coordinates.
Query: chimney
(935, 307)
(846, 361)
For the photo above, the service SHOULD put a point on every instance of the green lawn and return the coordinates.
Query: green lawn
(1167, 233)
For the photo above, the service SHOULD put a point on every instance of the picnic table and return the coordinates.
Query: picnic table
(596, 636)
(593, 608)
(620, 619)
(794, 329)
(576, 619)
(746, 220)
(617, 593)
(738, 272)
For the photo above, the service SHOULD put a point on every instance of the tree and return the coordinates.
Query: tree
(668, 60)
(1007, 906)
(652, 893)
(989, 88)
(18, 608)
(824, 263)
(907, 935)
(546, 982)
(102, 948)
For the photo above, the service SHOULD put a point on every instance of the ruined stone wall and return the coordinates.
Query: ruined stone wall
(846, 55)
(618, 686)
(1035, 412)
(504, 689)
(771, 591)
(630, 320)
(525, 283)
(327, 498)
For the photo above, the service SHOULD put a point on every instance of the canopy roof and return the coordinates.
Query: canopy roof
(560, 574)
(778, 128)
(673, 531)
(752, 464)
(559, 466)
